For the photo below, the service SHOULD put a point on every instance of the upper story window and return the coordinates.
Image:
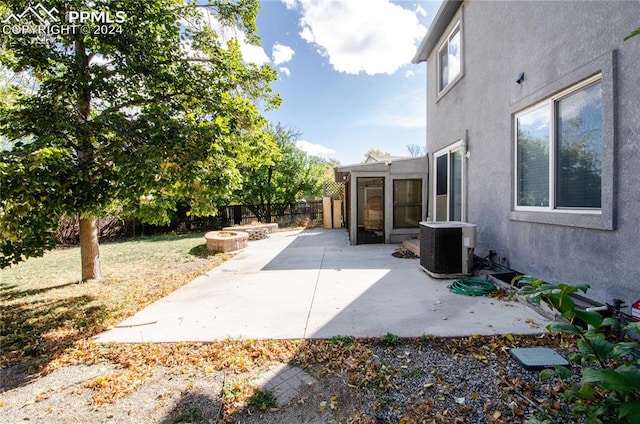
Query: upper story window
(450, 59)
(559, 151)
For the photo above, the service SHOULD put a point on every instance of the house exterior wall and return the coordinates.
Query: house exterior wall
(556, 44)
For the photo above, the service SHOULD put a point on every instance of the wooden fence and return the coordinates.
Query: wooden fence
(116, 227)
(283, 214)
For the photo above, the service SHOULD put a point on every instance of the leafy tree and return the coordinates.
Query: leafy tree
(288, 175)
(156, 112)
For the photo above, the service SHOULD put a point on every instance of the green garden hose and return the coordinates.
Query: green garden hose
(472, 286)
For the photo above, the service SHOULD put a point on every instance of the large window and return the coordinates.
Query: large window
(407, 203)
(450, 59)
(559, 151)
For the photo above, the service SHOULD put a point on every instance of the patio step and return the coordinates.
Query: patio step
(413, 245)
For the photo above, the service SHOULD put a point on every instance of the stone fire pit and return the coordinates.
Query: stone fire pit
(226, 241)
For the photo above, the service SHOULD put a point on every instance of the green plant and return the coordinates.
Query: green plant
(609, 387)
(232, 392)
(390, 339)
(263, 399)
(340, 341)
(633, 34)
(542, 418)
(190, 414)
(414, 373)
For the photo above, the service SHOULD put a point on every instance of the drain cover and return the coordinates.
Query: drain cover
(537, 358)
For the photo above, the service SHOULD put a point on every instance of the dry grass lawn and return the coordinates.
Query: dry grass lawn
(46, 309)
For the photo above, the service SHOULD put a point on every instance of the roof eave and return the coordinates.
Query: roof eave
(440, 23)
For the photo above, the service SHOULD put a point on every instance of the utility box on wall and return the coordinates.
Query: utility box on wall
(446, 248)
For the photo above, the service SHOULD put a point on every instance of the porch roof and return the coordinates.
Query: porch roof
(396, 166)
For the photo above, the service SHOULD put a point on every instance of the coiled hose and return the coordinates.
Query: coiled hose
(472, 287)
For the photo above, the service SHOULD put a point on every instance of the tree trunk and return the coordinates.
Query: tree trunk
(269, 196)
(89, 249)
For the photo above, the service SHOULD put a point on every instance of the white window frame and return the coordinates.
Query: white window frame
(452, 148)
(551, 106)
(445, 45)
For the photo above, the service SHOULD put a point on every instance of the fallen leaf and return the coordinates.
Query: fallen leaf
(334, 403)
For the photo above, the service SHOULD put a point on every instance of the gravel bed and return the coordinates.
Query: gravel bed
(426, 380)
(474, 387)
(438, 381)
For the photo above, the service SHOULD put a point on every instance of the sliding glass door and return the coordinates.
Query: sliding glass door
(448, 185)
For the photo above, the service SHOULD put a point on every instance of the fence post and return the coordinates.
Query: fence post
(337, 213)
(326, 212)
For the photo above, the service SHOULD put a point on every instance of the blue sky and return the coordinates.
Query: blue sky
(345, 72)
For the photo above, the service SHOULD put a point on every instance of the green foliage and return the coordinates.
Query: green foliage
(633, 34)
(340, 341)
(189, 414)
(160, 113)
(232, 392)
(263, 399)
(609, 389)
(390, 339)
(284, 176)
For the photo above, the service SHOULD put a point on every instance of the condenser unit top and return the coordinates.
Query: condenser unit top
(446, 224)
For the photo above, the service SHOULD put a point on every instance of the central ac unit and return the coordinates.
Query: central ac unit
(446, 248)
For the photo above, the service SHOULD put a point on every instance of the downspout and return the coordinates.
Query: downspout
(464, 149)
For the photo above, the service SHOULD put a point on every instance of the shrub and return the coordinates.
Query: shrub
(609, 387)
(391, 339)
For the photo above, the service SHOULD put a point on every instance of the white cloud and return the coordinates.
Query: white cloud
(409, 74)
(420, 11)
(370, 36)
(314, 149)
(253, 54)
(290, 4)
(281, 53)
(285, 71)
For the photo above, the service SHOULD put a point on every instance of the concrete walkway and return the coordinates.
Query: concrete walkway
(313, 284)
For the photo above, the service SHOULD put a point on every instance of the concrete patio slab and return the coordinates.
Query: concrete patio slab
(313, 284)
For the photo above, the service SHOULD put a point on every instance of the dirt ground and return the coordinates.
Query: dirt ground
(384, 380)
